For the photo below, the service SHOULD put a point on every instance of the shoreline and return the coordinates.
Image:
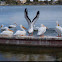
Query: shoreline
(29, 5)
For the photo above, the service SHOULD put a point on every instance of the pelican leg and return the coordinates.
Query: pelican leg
(42, 35)
(60, 35)
(29, 34)
(32, 34)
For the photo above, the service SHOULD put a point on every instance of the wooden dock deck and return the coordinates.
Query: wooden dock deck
(47, 41)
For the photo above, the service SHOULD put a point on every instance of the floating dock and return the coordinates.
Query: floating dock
(47, 41)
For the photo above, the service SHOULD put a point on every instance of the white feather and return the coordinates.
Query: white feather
(7, 33)
(58, 29)
(19, 32)
(41, 30)
(3, 28)
(13, 26)
(31, 23)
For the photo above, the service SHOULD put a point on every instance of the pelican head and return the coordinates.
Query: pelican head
(1, 26)
(22, 26)
(43, 26)
(57, 23)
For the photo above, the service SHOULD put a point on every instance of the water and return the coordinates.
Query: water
(48, 16)
(25, 57)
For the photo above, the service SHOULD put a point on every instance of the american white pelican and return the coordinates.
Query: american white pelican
(58, 29)
(31, 23)
(42, 30)
(35, 28)
(7, 32)
(3, 28)
(21, 33)
(12, 26)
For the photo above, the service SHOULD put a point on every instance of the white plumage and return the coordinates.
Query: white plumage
(3, 28)
(58, 29)
(13, 26)
(41, 30)
(7, 32)
(31, 23)
(21, 33)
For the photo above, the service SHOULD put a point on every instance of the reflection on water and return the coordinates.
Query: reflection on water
(27, 57)
(19, 53)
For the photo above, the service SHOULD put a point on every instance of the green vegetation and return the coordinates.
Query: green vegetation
(10, 2)
(35, 2)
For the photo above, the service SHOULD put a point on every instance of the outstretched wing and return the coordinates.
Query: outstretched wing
(26, 16)
(36, 17)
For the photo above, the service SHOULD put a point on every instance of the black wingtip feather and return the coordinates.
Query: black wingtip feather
(38, 12)
(26, 15)
(26, 10)
(36, 17)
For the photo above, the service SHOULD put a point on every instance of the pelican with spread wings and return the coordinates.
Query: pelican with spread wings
(31, 23)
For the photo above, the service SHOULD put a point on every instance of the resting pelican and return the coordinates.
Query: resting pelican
(7, 32)
(3, 28)
(58, 29)
(42, 30)
(21, 33)
(31, 23)
(12, 26)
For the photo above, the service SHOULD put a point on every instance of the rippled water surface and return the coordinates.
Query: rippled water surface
(48, 16)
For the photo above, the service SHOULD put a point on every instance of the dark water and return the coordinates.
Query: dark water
(20, 53)
(48, 16)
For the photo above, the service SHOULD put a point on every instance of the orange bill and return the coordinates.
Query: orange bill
(10, 30)
(1, 26)
(45, 26)
(23, 27)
